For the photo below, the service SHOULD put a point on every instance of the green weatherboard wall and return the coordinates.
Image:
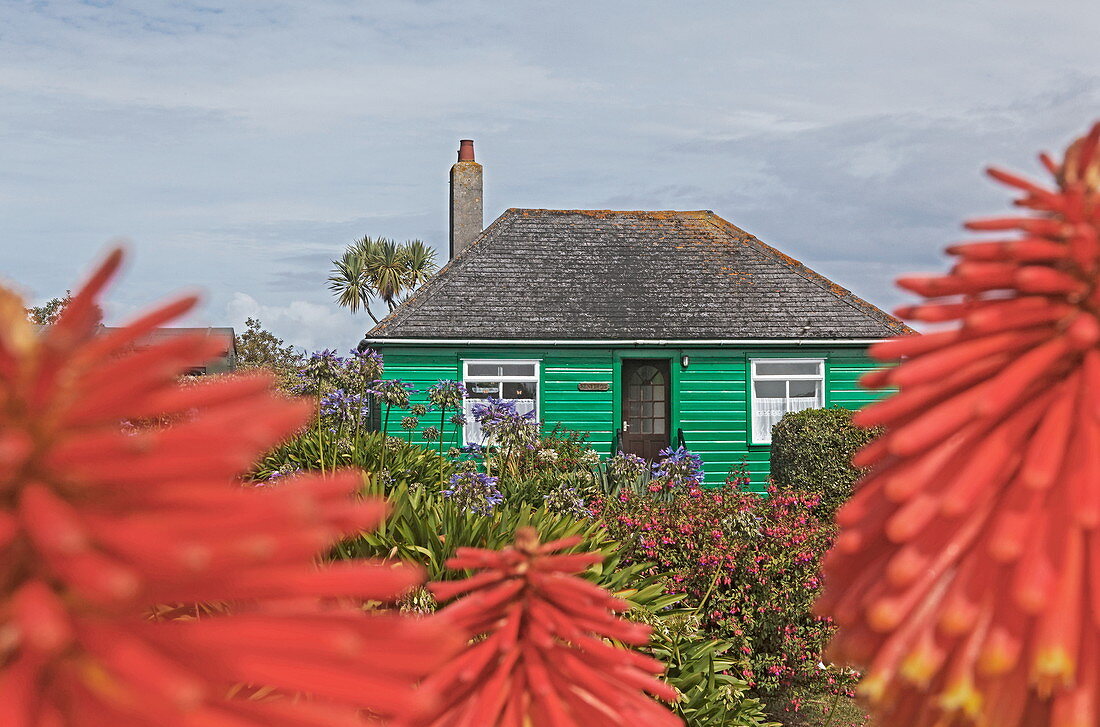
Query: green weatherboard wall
(710, 397)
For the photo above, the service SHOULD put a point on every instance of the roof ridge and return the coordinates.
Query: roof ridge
(809, 274)
(595, 211)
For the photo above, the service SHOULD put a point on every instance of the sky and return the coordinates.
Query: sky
(236, 148)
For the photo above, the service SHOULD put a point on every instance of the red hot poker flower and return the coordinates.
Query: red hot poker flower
(967, 572)
(98, 526)
(543, 659)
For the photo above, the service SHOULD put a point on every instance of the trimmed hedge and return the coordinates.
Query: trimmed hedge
(812, 451)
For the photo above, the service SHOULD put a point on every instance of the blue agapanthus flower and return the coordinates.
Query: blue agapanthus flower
(503, 424)
(393, 392)
(679, 467)
(474, 492)
(446, 394)
(344, 407)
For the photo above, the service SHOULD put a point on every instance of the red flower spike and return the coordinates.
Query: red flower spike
(967, 571)
(98, 526)
(540, 655)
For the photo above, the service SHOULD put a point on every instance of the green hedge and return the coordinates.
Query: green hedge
(812, 451)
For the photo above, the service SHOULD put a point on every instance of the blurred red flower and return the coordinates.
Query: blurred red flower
(108, 537)
(541, 655)
(967, 573)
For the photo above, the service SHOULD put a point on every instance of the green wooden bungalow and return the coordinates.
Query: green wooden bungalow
(642, 328)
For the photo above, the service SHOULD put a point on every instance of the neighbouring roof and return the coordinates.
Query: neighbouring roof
(226, 361)
(609, 275)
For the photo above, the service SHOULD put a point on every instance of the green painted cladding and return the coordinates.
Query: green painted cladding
(710, 396)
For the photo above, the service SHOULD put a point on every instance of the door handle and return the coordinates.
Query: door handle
(626, 425)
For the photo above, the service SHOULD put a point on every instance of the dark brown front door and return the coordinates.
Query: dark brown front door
(645, 407)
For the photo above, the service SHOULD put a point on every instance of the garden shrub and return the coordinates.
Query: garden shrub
(812, 451)
(325, 449)
(750, 566)
(699, 668)
(427, 528)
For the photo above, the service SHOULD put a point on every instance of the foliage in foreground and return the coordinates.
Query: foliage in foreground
(323, 449)
(966, 573)
(115, 544)
(426, 528)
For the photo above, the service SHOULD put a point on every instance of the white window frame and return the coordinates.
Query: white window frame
(754, 377)
(535, 379)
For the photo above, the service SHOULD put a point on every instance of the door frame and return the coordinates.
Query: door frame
(675, 371)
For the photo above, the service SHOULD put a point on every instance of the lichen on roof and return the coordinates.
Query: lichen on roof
(628, 275)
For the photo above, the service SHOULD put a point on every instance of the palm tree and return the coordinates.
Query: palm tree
(351, 283)
(420, 262)
(380, 268)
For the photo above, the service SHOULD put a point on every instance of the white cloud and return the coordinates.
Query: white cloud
(242, 145)
(307, 325)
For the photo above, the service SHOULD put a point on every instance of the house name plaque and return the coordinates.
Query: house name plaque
(594, 386)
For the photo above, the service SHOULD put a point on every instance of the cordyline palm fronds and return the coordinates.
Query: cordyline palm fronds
(380, 268)
(351, 284)
(966, 576)
(388, 271)
(420, 261)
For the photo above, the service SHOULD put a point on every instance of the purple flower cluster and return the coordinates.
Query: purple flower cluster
(392, 392)
(324, 371)
(624, 469)
(504, 425)
(287, 470)
(677, 468)
(567, 501)
(474, 492)
(340, 407)
(446, 394)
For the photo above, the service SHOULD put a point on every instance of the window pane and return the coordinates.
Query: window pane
(658, 426)
(482, 390)
(519, 390)
(805, 388)
(509, 369)
(472, 431)
(770, 389)
(647, 426)
(481, 369)
(803, 368)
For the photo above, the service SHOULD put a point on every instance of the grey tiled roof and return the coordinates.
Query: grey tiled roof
(598, 274)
